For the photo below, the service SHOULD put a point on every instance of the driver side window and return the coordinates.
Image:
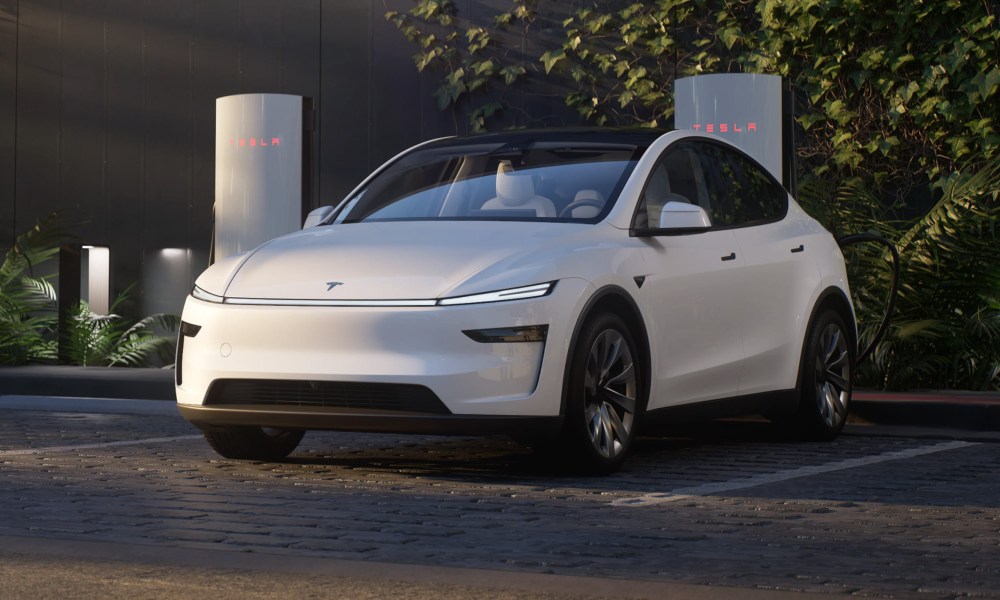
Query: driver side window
(676, 178)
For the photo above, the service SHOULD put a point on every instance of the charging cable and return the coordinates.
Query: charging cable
(865, 238)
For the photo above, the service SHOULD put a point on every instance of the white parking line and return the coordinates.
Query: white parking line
(94, 446)
(722, 487)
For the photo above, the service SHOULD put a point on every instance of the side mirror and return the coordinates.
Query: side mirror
(317, 216)
(681, 215)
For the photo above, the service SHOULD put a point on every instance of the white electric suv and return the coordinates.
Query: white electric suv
(563, 286)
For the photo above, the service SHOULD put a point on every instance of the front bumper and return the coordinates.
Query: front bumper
(478, 384)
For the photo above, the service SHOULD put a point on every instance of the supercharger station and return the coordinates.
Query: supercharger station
(752, 111)
(258, 170)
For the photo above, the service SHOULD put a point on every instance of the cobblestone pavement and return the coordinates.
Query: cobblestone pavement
(868, 515)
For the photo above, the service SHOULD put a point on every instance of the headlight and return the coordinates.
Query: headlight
(201, 294)
(519, 293)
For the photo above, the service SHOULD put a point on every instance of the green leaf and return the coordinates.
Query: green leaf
(551, 58)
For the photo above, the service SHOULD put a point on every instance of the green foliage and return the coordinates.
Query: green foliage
(897, 94)
(945, 332)
(110, 340)
(475, 60)
(27, 299)
(29, 320)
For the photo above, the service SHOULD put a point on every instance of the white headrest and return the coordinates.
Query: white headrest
(513, 189)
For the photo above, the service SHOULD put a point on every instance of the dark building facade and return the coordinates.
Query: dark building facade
(107, 112)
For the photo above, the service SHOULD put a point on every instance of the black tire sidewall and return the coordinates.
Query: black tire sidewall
(253, 443)
(576, 443)
(809, 416)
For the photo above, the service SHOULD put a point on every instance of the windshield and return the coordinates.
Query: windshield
(529, 180)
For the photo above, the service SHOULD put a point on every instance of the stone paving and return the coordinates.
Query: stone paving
(926, 527)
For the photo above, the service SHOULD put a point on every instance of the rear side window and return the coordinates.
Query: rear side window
(740, 192)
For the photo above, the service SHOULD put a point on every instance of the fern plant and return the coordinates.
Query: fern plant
(945, 333)
(27, 298)
(111, 340)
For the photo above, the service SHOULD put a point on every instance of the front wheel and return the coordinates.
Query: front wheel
(604, 397)
(253, 443)
(827, 377)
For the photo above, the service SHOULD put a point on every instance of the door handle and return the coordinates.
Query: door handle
(732, 256)
(801, 248)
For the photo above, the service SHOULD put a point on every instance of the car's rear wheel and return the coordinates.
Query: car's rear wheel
(253, 443)
(604, 397)
(827, 378)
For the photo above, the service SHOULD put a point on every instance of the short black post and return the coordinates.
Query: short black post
(69, 295)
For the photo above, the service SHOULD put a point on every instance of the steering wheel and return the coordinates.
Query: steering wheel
(567, 212)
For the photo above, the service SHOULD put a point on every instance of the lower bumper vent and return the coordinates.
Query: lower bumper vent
(326, 394)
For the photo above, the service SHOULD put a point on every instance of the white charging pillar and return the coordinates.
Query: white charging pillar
(258, 170)
(751, 111)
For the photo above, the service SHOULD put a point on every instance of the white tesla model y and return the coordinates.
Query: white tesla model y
(564, 286)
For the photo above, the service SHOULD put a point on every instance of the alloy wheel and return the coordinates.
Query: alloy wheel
(610, 392)
(833, 376)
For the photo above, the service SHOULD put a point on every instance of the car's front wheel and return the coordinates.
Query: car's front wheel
(604, 396)
(253, 443)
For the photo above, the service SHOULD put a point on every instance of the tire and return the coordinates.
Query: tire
(605, 397)
(253, 443)
(827, 378)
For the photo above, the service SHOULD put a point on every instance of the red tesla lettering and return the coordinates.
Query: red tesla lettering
(710, 128)
(723, 128)
(254, 142)
(751, 127)
(696, 126)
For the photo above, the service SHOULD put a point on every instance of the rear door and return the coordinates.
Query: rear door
(778, 268)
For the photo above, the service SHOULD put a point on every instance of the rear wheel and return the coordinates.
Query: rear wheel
(604, 397)
(827, 378)
(253, 443)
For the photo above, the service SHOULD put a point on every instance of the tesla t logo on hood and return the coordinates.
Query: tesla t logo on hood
(332, 284)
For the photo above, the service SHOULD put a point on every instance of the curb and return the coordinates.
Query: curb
(89, 382)
(972, 411)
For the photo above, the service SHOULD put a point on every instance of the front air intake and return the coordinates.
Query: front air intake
(325, 394)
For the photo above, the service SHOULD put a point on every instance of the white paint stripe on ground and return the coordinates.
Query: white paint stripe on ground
(722, 487)
(159, 440)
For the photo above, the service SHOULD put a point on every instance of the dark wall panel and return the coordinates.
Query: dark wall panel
(345, 104)
(125, 168)
(261, 50)
(8, 118)
(167, 124)
(39, 102)
(82, 118)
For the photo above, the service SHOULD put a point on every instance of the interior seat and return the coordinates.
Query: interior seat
(516, 191)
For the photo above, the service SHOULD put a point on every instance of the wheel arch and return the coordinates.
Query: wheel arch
(832, 298)
(614, 299)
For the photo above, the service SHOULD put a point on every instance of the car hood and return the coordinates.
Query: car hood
(401, 260)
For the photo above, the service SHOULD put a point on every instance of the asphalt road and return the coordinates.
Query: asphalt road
(102, 498)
